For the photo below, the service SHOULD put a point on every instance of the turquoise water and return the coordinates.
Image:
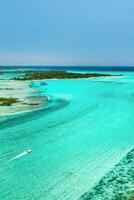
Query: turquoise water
(76, 139)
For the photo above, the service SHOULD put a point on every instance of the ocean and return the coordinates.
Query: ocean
(77, 68)
(77, 140)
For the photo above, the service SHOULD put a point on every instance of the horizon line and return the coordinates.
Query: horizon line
(66, 65)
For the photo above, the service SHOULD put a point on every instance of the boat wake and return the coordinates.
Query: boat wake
(21, 154)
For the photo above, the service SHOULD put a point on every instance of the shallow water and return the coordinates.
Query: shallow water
(116, 185)
(78, 138)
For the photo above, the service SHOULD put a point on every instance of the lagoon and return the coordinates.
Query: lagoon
(76, 139)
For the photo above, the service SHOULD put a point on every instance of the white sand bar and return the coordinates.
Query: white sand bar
(21, 91)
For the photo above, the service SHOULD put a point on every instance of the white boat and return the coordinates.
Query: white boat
(28, 151)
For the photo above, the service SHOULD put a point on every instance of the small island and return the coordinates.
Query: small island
(18, 96)
(57, 74)
(4, 101)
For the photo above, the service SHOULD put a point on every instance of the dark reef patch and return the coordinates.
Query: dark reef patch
(116, 185)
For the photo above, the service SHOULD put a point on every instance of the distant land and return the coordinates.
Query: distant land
(57, 74)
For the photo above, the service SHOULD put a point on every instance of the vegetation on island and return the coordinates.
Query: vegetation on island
(131, 197)
(7, 101)
(31, 104)
(56, 74)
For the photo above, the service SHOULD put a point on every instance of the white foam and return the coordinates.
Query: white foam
(62, 96)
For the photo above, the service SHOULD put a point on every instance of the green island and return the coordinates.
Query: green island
(7, 101)
(57, 74)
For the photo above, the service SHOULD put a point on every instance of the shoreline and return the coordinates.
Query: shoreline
(21, 112)
(27, 100)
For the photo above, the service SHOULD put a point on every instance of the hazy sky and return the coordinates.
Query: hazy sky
(67, 32)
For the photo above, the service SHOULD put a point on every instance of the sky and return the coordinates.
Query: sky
(67, 32)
